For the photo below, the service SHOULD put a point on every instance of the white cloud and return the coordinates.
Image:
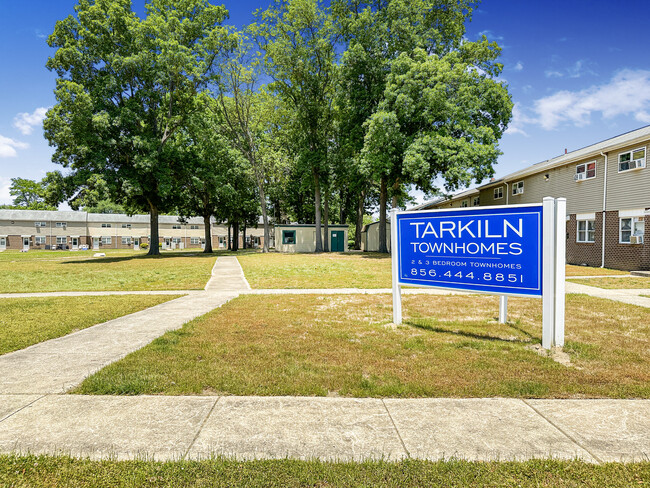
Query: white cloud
(25, 122)
(519, 119)
(553, 74)
(518, 67)
(627, 93)
(5, 197)
(581, 68)
(8, 147)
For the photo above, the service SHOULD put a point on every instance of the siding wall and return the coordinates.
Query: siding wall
(630, 189)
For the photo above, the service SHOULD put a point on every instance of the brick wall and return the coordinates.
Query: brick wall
(584, 253)
(622, 256)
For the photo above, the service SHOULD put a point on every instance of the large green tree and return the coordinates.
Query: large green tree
(298, 38)
(377, 32)
(125, 87)
(441, 116)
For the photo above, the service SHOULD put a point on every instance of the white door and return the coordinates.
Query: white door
(167, 244)
(74, 242)
(95, 243)
(25, 243)
(136, 243)
(3, 243)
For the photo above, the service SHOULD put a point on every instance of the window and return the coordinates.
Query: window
(476, 201)
(195, 240)
(464, 203)
(126, 226)
(39, 240)
(632, 230)
(518, 188)
(106, 239)
(61, 225)
(176, 226)
(3, 242)
(194, 227)
(107, 226)
(586, 231)
(61, 241)
(631, 160)
(585, 171)
(176, 240)
(498, 193)
(126, 241)
(288, 237)
(40, 224)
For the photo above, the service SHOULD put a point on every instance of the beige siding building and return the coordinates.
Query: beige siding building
(302, 237)
(607, 187)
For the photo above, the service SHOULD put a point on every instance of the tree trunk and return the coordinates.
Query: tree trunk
(326, 219)
(208, 234)
(360, 209)
(383, 197)
(154, 250)
(244, 238)
(265, 217)
(342, 207)
(319, 240)
(235, 236)
(229, 240)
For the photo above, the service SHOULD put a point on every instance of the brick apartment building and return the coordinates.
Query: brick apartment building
(36, 229)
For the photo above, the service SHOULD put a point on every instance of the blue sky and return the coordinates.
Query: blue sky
(578, 72)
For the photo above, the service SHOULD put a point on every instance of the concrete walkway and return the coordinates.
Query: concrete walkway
(58, 365)
(631, 296)
(164, 427)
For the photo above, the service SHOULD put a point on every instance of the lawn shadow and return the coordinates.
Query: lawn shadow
(375, 255)
(162, 255)
(471, 335)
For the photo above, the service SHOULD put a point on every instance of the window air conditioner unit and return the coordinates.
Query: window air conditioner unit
(636, 240)
(580, 176)
(637, 163)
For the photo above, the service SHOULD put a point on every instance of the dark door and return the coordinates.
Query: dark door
(337, 241)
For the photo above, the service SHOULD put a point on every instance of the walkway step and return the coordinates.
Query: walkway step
(172, 427)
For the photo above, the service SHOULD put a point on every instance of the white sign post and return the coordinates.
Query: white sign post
(552, 259)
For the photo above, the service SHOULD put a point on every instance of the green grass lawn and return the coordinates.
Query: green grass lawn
(120, 270)
(615, 283)
(449, 346)
(572, 270)
(44, 471)
(327, 270)
(340, 270)
(27, 321)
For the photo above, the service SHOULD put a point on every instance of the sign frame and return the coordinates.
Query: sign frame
(552, 250)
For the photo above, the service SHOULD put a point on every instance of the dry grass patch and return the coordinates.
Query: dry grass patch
(27, 321)
(635, 282)
(117, 271)
(327, 270)
(449, 346)
(573, 270)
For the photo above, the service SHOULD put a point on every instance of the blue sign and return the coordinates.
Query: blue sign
(492, 250)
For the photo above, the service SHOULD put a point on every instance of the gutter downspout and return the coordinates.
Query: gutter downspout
(507, 192)
(602, 258)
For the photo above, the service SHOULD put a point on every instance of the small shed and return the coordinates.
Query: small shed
(302, 237)
(370, 237)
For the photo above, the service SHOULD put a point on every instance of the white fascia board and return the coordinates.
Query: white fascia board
(586, 216)
(634, 212)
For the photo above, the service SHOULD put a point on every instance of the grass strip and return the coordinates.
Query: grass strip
(573, 270)
(27, 321)
(615, 283)
(345, 345)
(45, 471)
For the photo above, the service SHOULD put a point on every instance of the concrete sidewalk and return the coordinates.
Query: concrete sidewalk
(198, 427)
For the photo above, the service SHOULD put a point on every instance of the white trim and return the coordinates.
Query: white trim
(586, 216)
(635, 212)
(494, 197)
(518, 188)
(26, 236)
(585, 231)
